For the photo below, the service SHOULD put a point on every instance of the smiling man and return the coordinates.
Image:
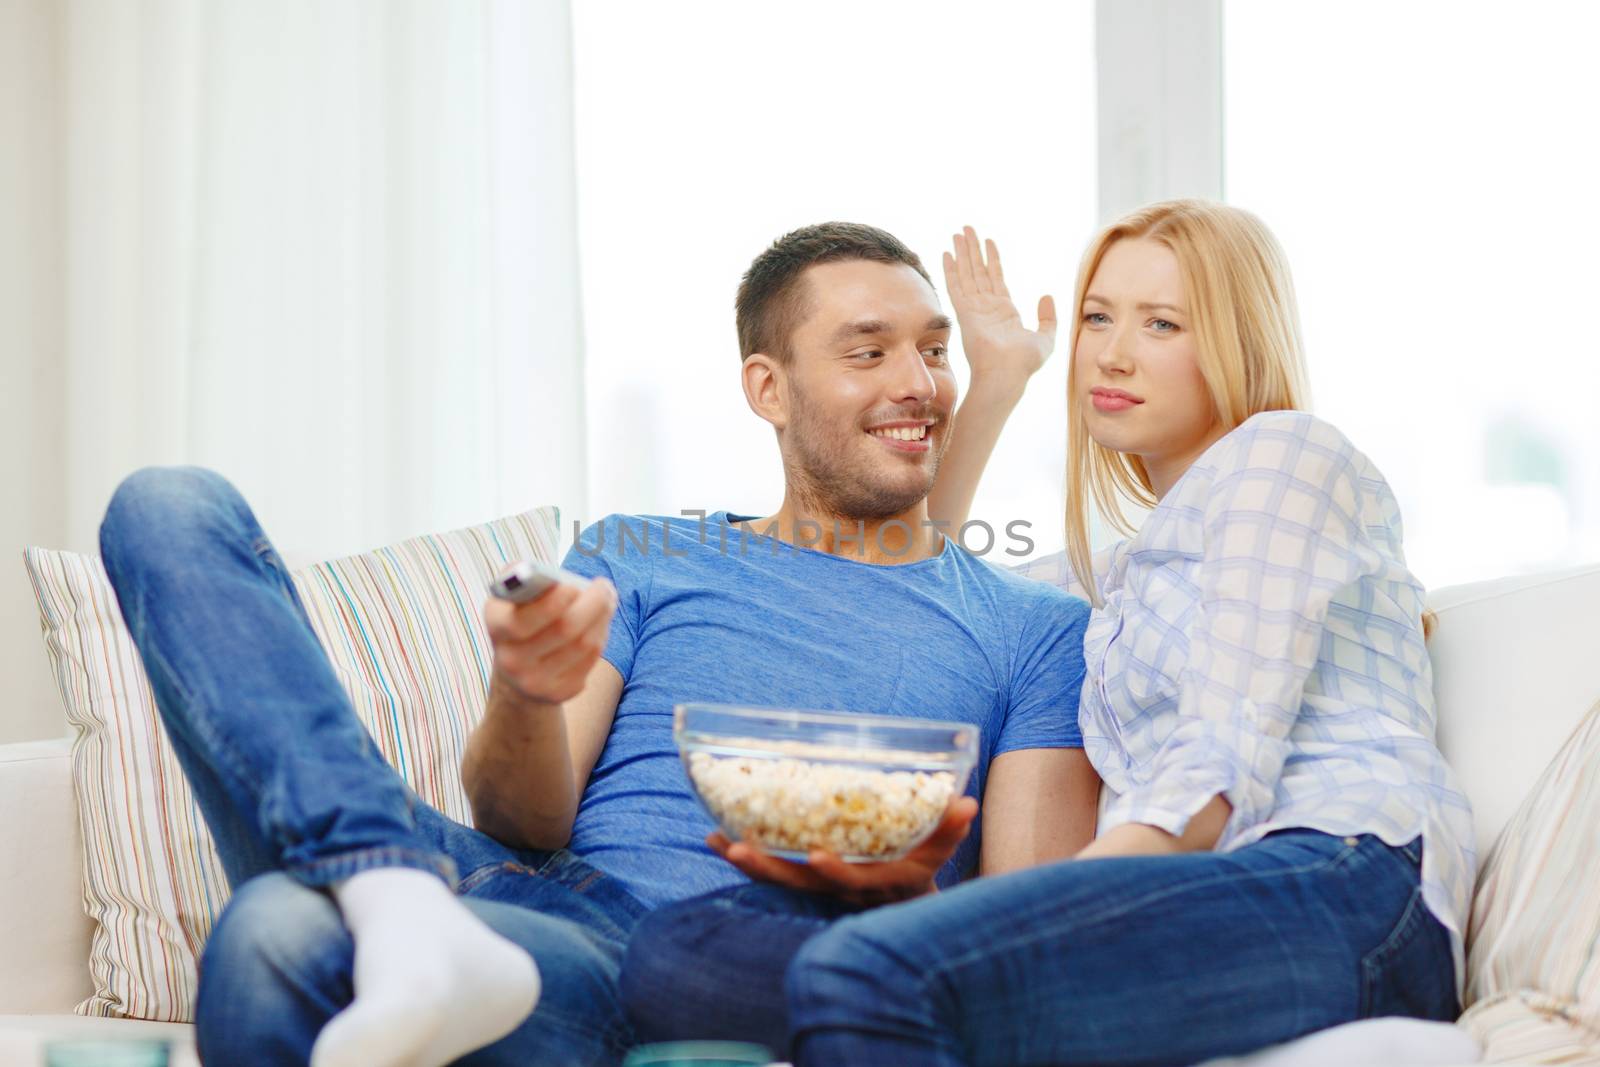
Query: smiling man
(846, 354)
(350, 940)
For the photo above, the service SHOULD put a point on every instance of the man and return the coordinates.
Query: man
(344, 942)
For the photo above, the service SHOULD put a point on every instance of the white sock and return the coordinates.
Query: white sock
(432, 982)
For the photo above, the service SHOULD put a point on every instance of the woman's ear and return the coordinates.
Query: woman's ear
(765, 388)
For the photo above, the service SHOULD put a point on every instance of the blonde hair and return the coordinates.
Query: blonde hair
(1247, 337)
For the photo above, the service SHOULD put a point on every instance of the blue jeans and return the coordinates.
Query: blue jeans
(1137, 961)
(298, 796)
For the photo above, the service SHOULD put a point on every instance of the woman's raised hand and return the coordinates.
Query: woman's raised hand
(997, 344)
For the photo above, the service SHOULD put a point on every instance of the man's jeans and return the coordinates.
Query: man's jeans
(1138, 961)
(298, 796)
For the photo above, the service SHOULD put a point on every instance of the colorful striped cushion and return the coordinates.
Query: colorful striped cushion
(403, 627)
(1533, 964)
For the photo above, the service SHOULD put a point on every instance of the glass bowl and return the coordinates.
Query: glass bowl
(866, 787)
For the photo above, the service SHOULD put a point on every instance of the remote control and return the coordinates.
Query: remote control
(526, 579)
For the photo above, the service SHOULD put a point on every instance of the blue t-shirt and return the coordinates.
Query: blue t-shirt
(740, 618)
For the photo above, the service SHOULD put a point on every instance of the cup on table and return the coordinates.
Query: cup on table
(106, 1054)
(699, 1054)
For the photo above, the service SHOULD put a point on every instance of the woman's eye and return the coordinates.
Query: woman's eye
(1163, 326)
(937, 353)
(874, 354)
(1096, 318)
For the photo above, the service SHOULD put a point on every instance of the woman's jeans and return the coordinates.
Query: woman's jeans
(1137, 961)
(298, 796)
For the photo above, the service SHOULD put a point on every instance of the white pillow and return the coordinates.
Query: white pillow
(1533, 945)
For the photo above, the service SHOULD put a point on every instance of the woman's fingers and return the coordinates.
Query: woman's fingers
(952, 278)
(997, 276)
(1047, 317)
(964, 254)
(980, 271)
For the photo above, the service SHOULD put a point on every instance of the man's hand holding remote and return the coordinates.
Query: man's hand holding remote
(520, 772)
(545, 647)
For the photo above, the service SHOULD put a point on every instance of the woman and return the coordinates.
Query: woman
(1282, 847)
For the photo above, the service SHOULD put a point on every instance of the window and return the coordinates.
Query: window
(1430, 171)
(707, 130)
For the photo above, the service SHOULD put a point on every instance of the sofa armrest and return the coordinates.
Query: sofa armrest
(42, 922)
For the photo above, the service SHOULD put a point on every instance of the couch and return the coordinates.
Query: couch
(1516, 665)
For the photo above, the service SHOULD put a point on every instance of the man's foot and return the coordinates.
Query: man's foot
(432, 982)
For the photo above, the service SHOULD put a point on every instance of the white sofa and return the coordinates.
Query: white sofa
(1516, 662)
(44, 933)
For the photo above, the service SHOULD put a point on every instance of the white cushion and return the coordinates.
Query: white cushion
(43, 929)
(1534, 948)
(1515, 665)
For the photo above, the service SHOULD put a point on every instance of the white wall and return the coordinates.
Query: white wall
(31, 442)
(1159, 103)
(708, 130)
(1438, 211)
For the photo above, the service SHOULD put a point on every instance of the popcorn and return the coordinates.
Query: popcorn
(791, 804)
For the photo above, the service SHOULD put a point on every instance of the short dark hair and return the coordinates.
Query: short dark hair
(769, 304)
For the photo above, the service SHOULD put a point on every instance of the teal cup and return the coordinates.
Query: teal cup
(699, 1054)
(105, 1054)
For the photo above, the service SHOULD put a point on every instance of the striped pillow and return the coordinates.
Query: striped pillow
(403, 627)
(1533, 949)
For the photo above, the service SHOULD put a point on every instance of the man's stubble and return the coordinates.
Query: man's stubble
(828, 476)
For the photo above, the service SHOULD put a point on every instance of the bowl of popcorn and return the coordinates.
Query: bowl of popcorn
(865, 787)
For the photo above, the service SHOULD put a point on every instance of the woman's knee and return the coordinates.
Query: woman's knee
(663, 953)
(844, 975)
(714, 966)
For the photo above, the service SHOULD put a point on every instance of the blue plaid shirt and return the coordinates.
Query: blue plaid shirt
(1261, 638)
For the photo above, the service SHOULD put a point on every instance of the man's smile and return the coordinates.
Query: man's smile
(904, 436)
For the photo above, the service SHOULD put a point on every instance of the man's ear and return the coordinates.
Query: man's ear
(766, 389)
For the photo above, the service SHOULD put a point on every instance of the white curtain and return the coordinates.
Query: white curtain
(327, 249)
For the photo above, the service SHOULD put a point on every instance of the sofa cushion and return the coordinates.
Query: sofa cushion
(1514, 670)
(42, 926)
(403, 628)
(1534, 940)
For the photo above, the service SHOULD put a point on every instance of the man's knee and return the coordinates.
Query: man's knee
(165, 508)
(274, 930)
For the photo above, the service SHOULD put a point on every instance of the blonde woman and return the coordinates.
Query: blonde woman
(1282, 847)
